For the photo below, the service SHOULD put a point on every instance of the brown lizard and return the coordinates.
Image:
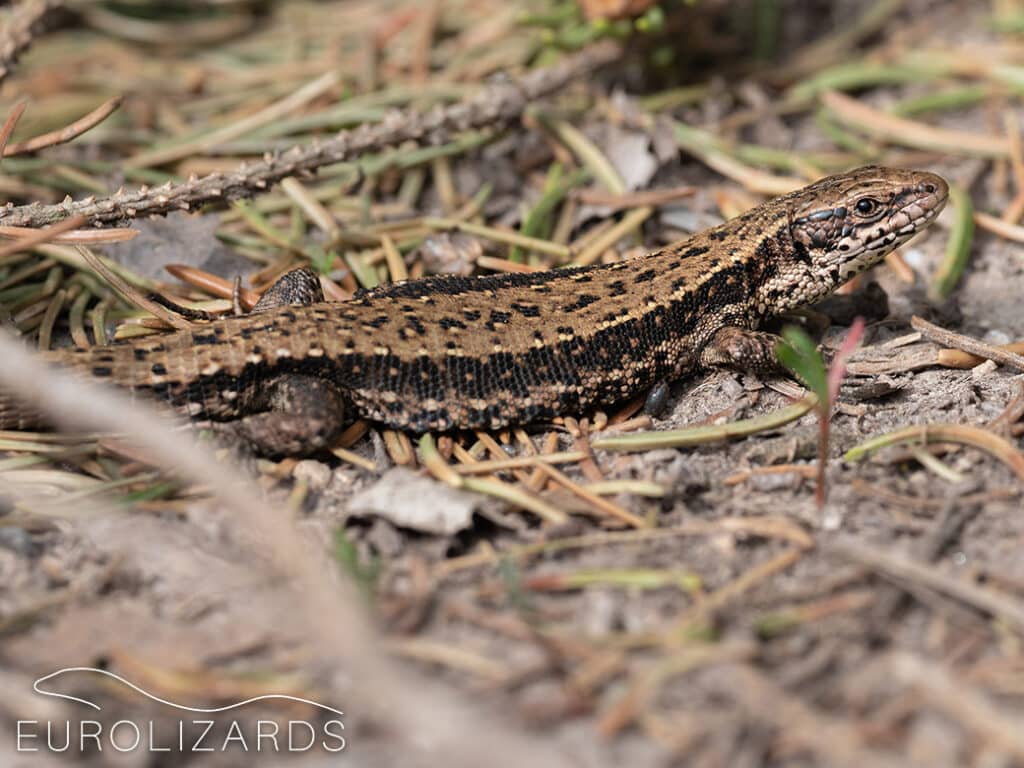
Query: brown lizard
(449, 353)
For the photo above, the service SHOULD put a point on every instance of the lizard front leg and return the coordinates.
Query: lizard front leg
(735, 347)
(730, 346)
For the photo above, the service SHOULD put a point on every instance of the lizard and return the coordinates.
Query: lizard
(447, 353)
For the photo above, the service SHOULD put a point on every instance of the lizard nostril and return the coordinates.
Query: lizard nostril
(929, 188)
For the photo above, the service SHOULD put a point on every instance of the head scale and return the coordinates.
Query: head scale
(845, 224)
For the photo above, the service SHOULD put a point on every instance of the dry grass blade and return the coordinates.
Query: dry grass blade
(8, 127)
(733, 589)
(64, 233)
(599, 245)
(645, 197)
(999, 227)
(66, 134)
(718, 158)
(212, 284)
(446, 473)
(501, 235)
(518, 497)
(682, 438)
(29, 238)
(963, 434)
(520, 462)
(130, 294)
(910, 133)
(285, 106)
(614, 510)
(588, 154)
(450, 656)
(762, 527)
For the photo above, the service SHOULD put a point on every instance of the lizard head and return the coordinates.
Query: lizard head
(845, 224)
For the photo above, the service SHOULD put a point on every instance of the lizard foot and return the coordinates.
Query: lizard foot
(740, 348)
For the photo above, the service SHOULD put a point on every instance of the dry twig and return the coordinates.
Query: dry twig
(497, 105)
(939, 335)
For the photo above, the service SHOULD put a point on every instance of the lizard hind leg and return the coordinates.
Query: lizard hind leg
(299, 415)
(298, 288)
(736, 347)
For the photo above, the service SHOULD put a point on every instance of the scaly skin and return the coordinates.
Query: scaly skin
(448, 353)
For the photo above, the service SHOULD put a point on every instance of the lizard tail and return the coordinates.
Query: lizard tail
(16, 414)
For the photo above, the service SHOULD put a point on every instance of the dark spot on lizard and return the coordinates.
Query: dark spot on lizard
(414, 322)
(526, 310)
(646, 276)
(583, 300)
(450, 322)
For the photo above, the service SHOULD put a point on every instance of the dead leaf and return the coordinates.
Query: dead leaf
(410, 500)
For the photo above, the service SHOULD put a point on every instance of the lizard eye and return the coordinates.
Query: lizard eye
(867, 206)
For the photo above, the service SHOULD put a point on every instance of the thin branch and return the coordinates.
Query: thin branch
(497, 105)
(24, 23)
(947, 338)
(129, 294)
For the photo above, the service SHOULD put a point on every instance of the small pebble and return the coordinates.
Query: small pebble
(979, 372)
(18, 540)
(54, 571)
(996, 337)
(316, 474)
(831, 518)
